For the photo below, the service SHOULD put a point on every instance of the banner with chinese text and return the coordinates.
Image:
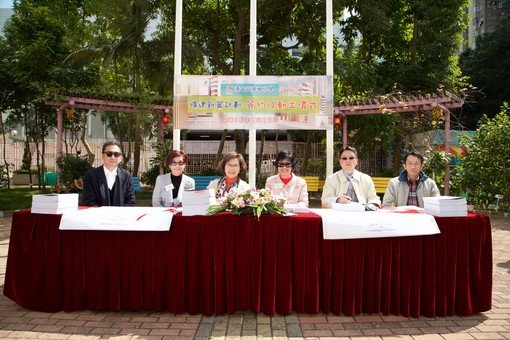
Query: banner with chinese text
(247, 102)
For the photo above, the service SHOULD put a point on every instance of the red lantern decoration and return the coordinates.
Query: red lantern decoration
(337, 120)
(165, 119)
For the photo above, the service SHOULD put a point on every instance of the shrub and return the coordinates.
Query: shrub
(159, 159)
(435, 165)
(149, 176)
(485, 171)
(72, 168)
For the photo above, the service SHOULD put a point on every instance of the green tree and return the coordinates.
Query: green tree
(485, 171)
(139, 62)
(404, 47)
(34, 48)
(488, 68)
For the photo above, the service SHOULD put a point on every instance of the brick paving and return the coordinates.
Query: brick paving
(21, 323)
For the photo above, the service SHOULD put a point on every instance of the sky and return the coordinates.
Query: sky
(6, 3)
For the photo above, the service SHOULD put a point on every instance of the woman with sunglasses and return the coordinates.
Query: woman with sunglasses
(109, 185)
(232, 165)
(169, 187)
(286, 183)
(350, 185)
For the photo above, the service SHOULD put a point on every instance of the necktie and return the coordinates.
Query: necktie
(350, 189)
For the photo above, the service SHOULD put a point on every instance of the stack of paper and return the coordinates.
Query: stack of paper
(445, 206)
(54, 203)
(197, 202)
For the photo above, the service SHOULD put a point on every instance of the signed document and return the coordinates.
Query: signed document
(119, 218)
(348, 225)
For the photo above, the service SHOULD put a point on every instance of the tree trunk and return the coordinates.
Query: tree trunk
(138, 145)
(2, 131)
(83, 139)
(240, 139)
(28, 132)
(308, 150)
(261, 150)
(220, 148)
(396, 155)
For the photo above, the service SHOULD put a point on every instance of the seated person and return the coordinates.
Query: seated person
(349, 185)
(169, 187)
(232, 165)
(292, 187)
(109, 185)
(411, 185)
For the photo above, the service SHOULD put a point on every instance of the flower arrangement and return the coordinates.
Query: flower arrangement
(252, 201)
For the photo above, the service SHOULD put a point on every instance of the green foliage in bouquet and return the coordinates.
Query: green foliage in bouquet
(254, 202)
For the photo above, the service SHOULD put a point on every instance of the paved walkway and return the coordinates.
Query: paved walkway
(20, 323)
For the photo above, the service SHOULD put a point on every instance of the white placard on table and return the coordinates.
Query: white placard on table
(119, 218)
(338, 225)
(351, 206)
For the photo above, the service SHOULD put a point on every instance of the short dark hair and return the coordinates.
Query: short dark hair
(349, 148)
(230, 156)
(284, 154)
(176, 153)
(415, 154)
(110, 143)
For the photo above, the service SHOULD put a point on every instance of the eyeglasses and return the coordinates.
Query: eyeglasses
(177, 163)
(112, 153)
(287, 165)
(233, 165)
(413, 164)
(347, 158)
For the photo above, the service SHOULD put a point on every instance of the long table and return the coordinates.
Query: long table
(225, 263)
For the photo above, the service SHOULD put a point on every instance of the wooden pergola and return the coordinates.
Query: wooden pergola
(88, 103)
(400, 103)
(385, 104)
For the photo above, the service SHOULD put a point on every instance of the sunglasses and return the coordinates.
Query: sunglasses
(347, 158)
(112, 153)
(287, 165)
(177, 163)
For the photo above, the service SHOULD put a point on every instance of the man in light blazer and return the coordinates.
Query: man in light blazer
(109, 185)
(350, 185)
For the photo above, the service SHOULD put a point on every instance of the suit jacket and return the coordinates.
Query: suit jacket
(96, 192)
(336, 185)
(162, 197)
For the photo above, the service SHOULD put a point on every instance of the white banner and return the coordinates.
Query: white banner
(253, 102)
(119, 218)
(337, 225)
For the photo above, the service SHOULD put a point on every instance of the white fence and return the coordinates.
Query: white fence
(201, 155)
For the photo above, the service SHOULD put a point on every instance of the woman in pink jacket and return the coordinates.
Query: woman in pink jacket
(292, 187)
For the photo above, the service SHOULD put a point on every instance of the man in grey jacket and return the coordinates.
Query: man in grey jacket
(411, 185)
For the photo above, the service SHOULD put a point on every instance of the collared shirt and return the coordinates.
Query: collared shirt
(412, 199)
(110, 177)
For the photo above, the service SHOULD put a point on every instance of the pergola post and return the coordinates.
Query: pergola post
(344, 131)
(60, 128)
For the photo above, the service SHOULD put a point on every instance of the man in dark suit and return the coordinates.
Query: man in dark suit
(109, 185)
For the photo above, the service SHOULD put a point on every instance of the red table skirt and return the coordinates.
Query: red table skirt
(224, 263)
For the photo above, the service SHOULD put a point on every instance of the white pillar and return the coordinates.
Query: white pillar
(252, 136)
(329, 72)
(177, 64)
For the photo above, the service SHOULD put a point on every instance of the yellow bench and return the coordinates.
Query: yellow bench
(313, 183)
(381, 183)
